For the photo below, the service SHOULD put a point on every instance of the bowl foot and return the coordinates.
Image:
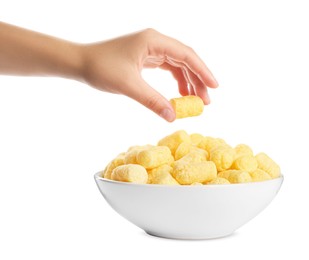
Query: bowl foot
(184, 237)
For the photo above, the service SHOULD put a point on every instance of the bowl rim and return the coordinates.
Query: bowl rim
(213, 186)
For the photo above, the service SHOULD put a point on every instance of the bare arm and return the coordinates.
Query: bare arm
(27, 53)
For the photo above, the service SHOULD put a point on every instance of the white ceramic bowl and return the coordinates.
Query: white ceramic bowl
(188, 212)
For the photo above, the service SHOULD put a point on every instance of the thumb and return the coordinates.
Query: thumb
(153, 100)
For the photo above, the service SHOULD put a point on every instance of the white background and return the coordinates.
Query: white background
(55, 133)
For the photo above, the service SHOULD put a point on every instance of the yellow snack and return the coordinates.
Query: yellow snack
(245, 163)
(154, 157)
(223, 157)
(119, 160)
(235, 176)
(186, 147)
(197, 155)
(197, 184)
(130, 157)
(183, 149)
(130, 173)
(260, 175)
(266, 164)
(210, 143)
(139, 147)
(194, 172)
(218, 180)
(172, 141)
(187, 106)
(242, 149)
(161, 175)
(131, 154)
(196, 138)
(182, 159)
(200, 151)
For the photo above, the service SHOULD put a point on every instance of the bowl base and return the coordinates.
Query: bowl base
(180, 237)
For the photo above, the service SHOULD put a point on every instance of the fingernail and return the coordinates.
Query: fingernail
(216, 82)
(168, 115)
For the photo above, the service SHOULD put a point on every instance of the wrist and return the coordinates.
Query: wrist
(73, 63)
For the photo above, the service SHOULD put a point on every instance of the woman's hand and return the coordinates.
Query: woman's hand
(115, 66)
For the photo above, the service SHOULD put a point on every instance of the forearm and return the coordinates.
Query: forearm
(28, 53)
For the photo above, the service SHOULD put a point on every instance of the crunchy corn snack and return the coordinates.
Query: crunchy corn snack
(242, 149)
(266, 164)
(196, 138)
(130, 173)
(186, 147)
(235, 176)
(119, 160)
(183, 149)
(198, 155)
(154, 157)
(196, 184)
(174, 140)
(209, 143)
(139, 147)
(161, 175)
(223, 157)
(260, 175)
(194, 172)
(218, 180)
(183, 159)
(131, 154)
(187, 106)
(245, 163)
